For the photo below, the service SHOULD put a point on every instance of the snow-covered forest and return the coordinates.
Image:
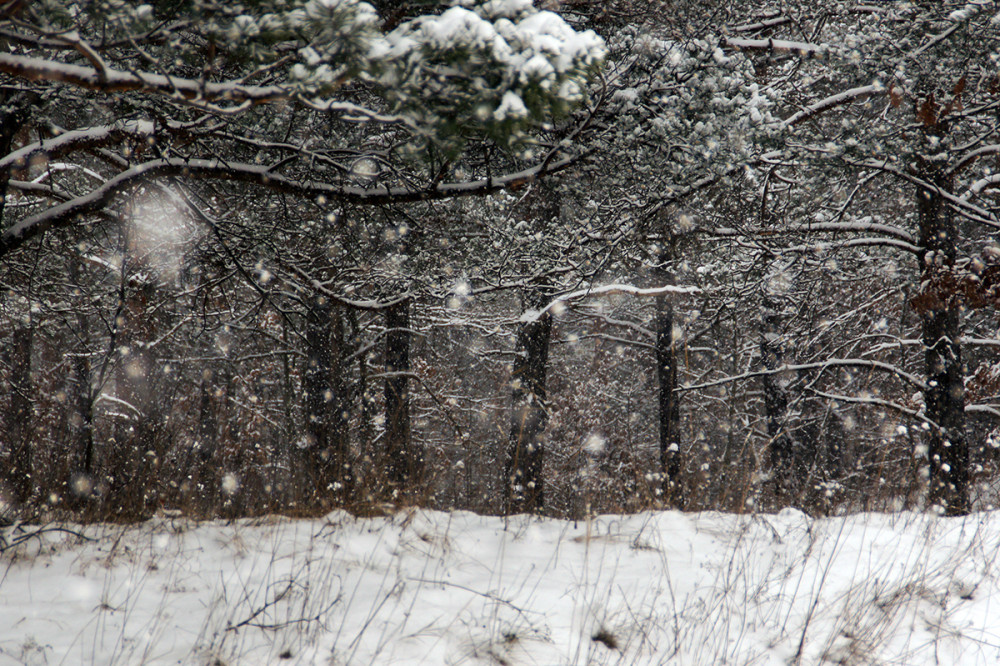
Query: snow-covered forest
(567, 258)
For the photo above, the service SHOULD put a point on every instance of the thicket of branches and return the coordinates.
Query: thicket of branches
(283, 257)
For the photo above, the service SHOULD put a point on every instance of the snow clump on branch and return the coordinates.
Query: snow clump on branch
(496, 67)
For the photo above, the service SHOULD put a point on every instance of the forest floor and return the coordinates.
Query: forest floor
(438, 588)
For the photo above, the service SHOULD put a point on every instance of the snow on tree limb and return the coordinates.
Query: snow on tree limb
(859, 226)
(858, 242)
(114, 80)
(762, 24)
(820, 365)
(260, 175)
(895, 240)
(202, 94)
(784, 45)
(76, 139)
(958, 204)
(368, 305)
(832, 101)
(992, 410)
(494, 69)
(993, 180)
(606, 290)
(972, 156)
(881, 402)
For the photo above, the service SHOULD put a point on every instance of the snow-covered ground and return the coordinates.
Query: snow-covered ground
(438, 588)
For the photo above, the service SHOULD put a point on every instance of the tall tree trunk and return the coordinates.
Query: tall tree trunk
(15, 110)
(83, 398)
(82, 463)
(734, 468)
(524, 484)
(340, 440)
(287, 391)
(326, 454)
(84, 412)
(318, 394)
(364, 389)
(669, 407)
(403, 463)
(19, 425)
(16, 107)
(208, 423)
(133, 492)
(783, 457)
(940, 315)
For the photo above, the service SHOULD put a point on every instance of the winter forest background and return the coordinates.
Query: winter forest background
(289, 256)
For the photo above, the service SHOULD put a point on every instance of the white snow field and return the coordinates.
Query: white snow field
(456, 588)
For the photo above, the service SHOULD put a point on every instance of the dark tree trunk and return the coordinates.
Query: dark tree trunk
(17, 108)
(783, 457)
(81, 434)
(208, 422)
(940, 316)
(287, 392)
(20, 417)
(133, 490)
(365, 389)
(524, 484)
(326, 454)
(669, 407)
(318, 394)
(218, 432)
(194, 490)
(735, 468)
(85, 412)
(339, 418)
(83, 398)
(403, 463)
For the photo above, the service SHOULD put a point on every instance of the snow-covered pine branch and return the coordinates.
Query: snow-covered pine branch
(496, 69)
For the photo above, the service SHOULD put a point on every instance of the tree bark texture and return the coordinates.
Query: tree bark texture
(944, 395)
(524, 483)
(327, 457)
(783, 459)
(19, 420)
(11, 122)
(136, 454)
(84, 404)
(403, 462)
(669, 400)
(83, 398)
(17, 106)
